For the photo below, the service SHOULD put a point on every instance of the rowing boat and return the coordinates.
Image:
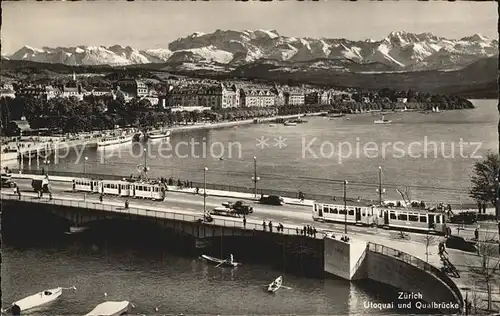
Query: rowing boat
(275, 285)
(221, 262)
(110, 309)
(38, 299)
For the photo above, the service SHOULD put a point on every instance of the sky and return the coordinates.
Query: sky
(148, 24)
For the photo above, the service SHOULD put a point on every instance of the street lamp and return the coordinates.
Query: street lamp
(84, 163)
(146, 162)
(380, 185)
(205, 191)
(47, 162)
(255, 178)
(345, 206)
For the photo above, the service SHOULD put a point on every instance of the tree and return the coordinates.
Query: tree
(488, 271)
(429, 240)
(484, 179)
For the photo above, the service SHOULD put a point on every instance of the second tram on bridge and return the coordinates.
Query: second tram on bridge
(399, 218)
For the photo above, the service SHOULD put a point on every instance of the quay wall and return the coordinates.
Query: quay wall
(357, 260)
(185, 128)
(411, 275)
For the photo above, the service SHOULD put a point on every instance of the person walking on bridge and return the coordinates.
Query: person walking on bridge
(244, 221)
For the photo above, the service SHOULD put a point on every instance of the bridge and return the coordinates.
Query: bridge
(360, 258)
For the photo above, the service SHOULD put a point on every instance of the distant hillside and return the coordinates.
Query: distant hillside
(478, 80)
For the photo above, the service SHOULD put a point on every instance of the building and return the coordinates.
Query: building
(294, 97)
(100, 91)
(32, 91)
(6, 93)
(257, 97)
(317, 97)
(52, 92)
(279, 96)
(230, 96)
(132, 87)
(202, 95)
(76, 92)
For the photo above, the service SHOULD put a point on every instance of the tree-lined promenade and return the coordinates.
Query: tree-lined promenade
(104, 112)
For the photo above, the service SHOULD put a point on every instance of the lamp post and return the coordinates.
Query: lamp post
(255, 178)
(47, 162)
(145, 162)
(380, 185)
(84, 163)
(345, 207)
(205, 191)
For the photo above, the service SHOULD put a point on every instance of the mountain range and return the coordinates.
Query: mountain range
(227, 51)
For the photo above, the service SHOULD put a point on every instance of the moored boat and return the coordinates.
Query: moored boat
(39, 299)
(336, 115)
(288, 123)
(275, 285)
(382, 121)
(114, 140)
(222, 262)
(77, 229)
(158, 134)
(110, 309)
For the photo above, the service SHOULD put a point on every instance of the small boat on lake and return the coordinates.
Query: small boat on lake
(110, 309)
(77, 229)
(275, 285)
(336, 115)
(221, 262)
(158, 134)
(289, 123)
(382, 121)
(37, 300)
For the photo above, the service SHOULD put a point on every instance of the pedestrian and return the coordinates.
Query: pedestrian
(314, 232)
(263, 225)
(476, 234)
(50, 195)
(18, 192)
(100, 197)
(297, 230)
(484, 208)
(305, 230)
(197, 190)
(270, 226)
(126, 204)
(244, 221)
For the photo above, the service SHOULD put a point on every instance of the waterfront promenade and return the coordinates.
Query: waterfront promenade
(292, 217)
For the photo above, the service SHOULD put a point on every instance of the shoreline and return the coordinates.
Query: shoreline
(183, 128)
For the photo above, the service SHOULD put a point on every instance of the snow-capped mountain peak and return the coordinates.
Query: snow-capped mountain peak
(399, 50)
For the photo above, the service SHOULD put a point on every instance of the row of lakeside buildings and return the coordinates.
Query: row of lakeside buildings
(215, 95)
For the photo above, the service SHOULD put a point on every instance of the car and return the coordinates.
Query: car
(457, 242)
(467, 218)
(239, 207)
(272, 200)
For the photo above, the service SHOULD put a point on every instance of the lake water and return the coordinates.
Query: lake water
(432, 154)
(152, 277)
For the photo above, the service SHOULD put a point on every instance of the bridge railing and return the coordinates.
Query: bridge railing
(157, 213)
(420, 264)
